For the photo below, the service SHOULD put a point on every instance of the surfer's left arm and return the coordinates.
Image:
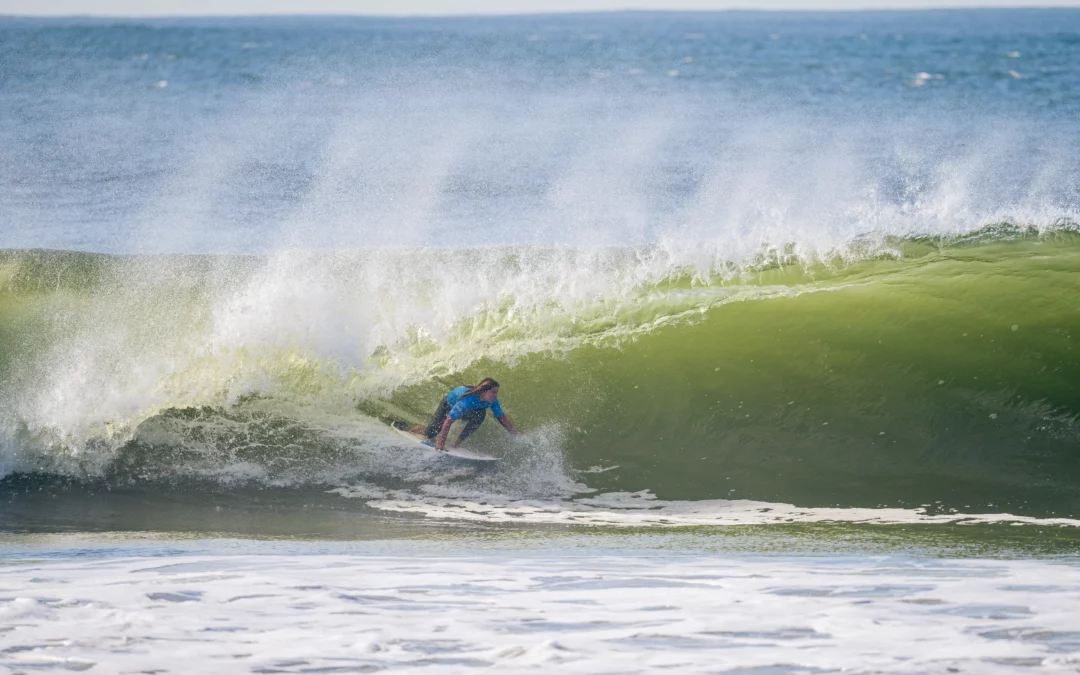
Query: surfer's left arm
(503, 418)
(505, 421)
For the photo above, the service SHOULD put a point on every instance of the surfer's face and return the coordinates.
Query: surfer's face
(489, 395)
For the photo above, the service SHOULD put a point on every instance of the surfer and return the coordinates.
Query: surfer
(465, 403)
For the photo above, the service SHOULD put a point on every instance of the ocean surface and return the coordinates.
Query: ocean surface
(786, 304)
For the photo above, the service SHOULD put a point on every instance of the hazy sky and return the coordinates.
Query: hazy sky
(436, 7)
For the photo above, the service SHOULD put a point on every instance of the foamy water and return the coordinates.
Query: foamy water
(524, 611)
(643, 509)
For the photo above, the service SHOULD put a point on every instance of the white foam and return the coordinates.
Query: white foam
(643, 509)
(920, 79)
(574, 612)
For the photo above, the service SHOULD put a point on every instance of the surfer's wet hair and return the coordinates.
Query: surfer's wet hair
(484, 385)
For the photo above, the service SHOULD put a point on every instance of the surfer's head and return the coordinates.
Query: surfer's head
(487, 390)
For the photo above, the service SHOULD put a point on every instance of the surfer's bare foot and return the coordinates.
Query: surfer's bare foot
(417, 430)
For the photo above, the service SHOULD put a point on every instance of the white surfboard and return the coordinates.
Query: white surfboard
(416, 439)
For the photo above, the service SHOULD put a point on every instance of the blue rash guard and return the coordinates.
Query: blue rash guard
(459, 406)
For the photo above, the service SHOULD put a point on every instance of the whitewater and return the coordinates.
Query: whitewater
(786, 304)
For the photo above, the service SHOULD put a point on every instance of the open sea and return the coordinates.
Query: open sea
(787, 304)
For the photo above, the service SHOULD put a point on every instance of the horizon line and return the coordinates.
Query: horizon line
(552, 13)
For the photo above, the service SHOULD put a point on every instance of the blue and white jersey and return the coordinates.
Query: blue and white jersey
(459, 406)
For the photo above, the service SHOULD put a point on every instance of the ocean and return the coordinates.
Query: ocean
(783, 302)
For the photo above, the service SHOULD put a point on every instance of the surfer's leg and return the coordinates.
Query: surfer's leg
(437, 420)
(473, 420)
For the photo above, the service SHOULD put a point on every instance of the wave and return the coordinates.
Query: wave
(933, 373)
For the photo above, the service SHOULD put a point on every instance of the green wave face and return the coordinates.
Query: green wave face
(937, 373)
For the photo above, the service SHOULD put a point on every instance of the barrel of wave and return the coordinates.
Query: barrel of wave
(948, 380)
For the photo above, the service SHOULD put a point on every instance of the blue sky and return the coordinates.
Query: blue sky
(439, 7)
